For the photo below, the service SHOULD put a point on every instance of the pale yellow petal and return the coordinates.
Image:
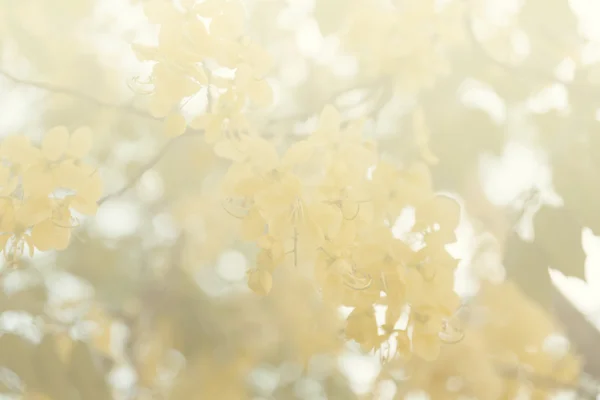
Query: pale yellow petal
(261, 93)
(243, 77)
(19, 150)
(42, 235)
(83, 205)
(229, 23)
(159, 11)
(80, 143)
(426, 346)
(298, 153)
(230, 149)
(7, 215)
(55, 142)
(253, 225)
(92, 189)
(175, 125)
(327, 217)
(160, 105)
(38, 180)
(34, 211)
(263, 152)
(260, 281)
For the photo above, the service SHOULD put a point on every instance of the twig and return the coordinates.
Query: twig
(374, 83)
(56, 89)
(151, 163)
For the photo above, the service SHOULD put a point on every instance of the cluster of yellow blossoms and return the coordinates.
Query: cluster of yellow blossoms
(41, 186)
(189, 51)
(500, 354)
(323, 210)
(327, 207)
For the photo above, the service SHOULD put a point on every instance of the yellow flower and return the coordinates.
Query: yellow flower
(361, 326)
(7, 214)
(290, 214)
(19, 150)
(30, 212)
(346, 144)
(59, 150)
(257, 163)
(425, 344)
(171, 85)
(260, 281)
(8, 182)
(175, 124)
(377, 246)
(227, 116)
(227, 18)
(257, 90)
(54, 233)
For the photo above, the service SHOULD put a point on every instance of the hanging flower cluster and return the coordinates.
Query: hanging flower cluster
(505, 329)
(41, 187)
(318, 208)
(325, 206)
(194, 41)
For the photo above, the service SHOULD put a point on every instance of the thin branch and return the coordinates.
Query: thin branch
(150, 164)
(56, 89)
(373, 84)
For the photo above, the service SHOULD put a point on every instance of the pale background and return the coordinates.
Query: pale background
(521, 166)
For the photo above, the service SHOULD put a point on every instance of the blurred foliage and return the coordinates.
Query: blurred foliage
(228, 199)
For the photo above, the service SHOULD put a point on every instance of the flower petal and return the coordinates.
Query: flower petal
(55, 142)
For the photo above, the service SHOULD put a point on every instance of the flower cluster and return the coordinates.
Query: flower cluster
(194, 42)
(508, 335)
(41, 187)
(327, 206)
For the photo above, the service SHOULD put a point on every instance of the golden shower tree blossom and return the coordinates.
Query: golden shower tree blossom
(43, 186)
(307, 183)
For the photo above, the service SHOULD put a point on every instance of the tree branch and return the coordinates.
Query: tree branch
(56, 89)
(373, 85)
(147, 166)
